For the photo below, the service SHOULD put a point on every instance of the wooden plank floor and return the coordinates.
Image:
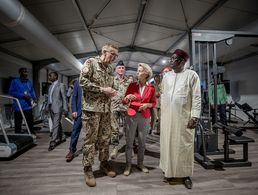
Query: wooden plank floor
(39, 172)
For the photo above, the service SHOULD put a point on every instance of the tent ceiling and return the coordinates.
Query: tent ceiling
(146, 30)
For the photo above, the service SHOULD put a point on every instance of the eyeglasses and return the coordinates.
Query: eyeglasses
(113, 54)
(175, 58)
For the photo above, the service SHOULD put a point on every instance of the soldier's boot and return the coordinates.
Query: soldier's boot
(89, 177)
(114, 152)
(127, 170)
(107, 169)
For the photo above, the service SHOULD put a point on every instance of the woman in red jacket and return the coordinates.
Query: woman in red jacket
(141, 97)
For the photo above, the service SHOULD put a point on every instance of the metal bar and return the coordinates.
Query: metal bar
(211, 11)
(236, 33)
(45, 62)
(84, 22)
(4, 133)
(8, 52)
(199, 61)
(128, 48)
(193, 53)
(94, 26)
(100, 11)
(226, 145)
(19, 105)
(186, 21)
(197, 23)
(140, 16)
(154, 23)
(177, 41)
(215, 81)
(208, 80)
(190, 48)
(174, 44)
(203, 142)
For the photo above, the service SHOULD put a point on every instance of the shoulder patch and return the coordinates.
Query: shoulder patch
(88, 61)
(85, 70)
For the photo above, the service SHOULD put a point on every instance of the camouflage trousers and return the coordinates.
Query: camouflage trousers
(116, 116)
(97, 128)
(155, 119)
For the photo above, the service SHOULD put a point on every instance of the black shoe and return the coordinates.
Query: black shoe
(167, 179)
(52, 146)
(188, 183)
(63, 140)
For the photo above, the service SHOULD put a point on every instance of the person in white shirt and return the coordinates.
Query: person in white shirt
(180, 111)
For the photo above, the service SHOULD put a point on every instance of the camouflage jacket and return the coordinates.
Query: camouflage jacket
(93, 76)
(120, 87)
(158, 92)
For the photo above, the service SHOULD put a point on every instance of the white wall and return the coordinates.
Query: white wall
(43, 77)
(9, 67)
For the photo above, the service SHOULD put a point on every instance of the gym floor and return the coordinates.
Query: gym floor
(39, 172)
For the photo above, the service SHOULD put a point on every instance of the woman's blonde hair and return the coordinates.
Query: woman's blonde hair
(147, 68)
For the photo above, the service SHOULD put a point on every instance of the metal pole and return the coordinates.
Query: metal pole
(4, 133)
(199, 61)
(208, 79)
(203, 143)
(215, 69)
(193, 55)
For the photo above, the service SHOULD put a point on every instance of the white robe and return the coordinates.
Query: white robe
(180, 101)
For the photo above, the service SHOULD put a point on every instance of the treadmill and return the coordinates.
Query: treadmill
(14, 144)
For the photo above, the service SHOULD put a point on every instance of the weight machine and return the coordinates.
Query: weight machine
(203, 57)
(251, 113)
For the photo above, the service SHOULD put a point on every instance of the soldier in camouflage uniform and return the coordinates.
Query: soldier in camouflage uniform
(156, 118)
(96, 80)
(118, 110)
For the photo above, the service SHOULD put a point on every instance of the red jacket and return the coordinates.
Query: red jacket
(148, 96)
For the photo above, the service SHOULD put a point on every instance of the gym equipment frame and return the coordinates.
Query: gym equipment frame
(206, 39)
(13, 144)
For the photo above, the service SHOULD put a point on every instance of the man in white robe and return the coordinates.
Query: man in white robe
(180, 112)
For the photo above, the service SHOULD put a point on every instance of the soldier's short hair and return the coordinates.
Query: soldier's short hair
(108, 45)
